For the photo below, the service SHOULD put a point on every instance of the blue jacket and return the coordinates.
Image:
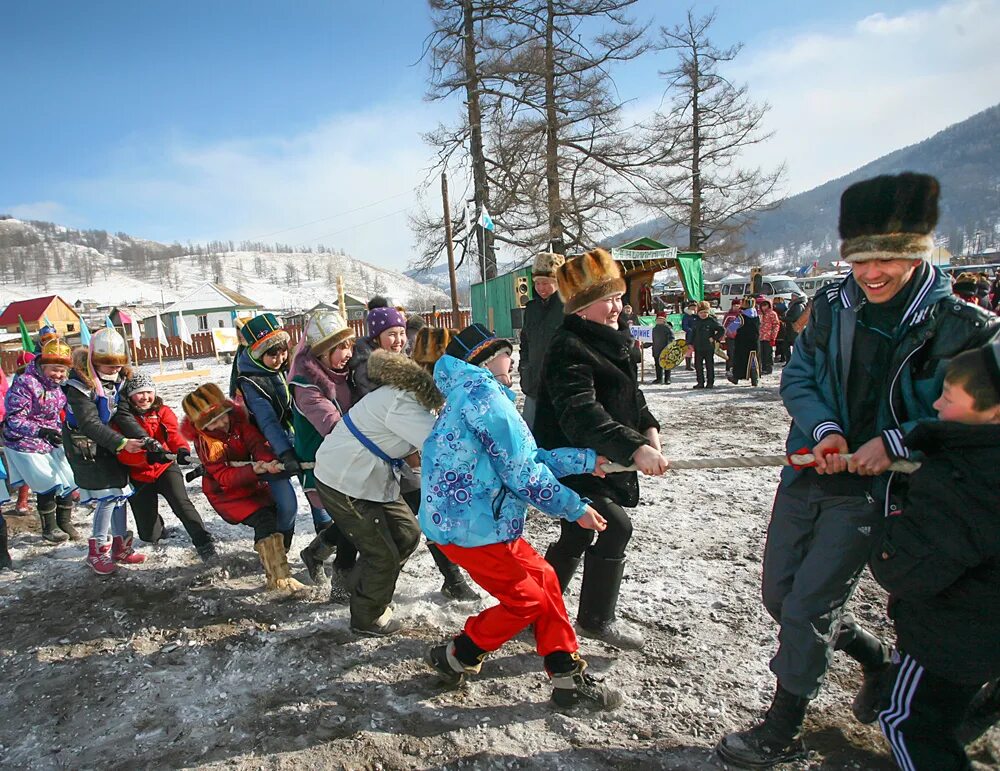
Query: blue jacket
(265, 393)
(934, 328)
(481, 467)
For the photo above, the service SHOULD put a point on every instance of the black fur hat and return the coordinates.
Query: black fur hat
(889, 217)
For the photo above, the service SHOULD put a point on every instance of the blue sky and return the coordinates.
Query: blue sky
(245, 119)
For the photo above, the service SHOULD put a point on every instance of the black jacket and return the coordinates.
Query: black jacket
(662, 337)
(541, 320)
(589, 398)
(705, 333)
(940, 555)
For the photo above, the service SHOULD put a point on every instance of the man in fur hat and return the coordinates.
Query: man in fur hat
(543, 315)
(868, 366)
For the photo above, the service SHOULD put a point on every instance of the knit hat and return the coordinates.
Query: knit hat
(382, 319)
(205, 404)
(889, 218)
(430, 344)
(107, 347)
(138, 383)
(55, 351)
(261, 333)
(325, 330)
(24, 358)
(546, 264)
(477, 345)
(661, 314)
(991, 356)
(587, 278)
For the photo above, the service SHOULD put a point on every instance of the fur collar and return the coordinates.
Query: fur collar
(395, 369)
(81, 370)
(311, 369)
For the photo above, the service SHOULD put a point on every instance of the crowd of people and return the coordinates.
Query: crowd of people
(411, 431)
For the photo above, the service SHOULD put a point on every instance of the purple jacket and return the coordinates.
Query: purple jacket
(33, 402)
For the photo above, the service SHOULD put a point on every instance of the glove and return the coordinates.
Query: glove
(290, 462)
(51, 435)
(183, 456)
(155, 452)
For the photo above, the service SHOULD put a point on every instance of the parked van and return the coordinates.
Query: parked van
(738, 287)
(812, 284)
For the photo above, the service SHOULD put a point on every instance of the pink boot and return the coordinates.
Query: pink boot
(99, 557)
(122, 552)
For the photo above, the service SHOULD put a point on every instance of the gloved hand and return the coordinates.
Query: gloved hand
(51, 435)
(290, 462)
(183, 456)
(155, 452)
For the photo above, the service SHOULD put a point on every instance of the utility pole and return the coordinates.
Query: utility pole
(451, 251)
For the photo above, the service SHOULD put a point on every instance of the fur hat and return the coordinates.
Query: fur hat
(55, 351)
(965, 285)
(889, 218)
(138, 383)
(430, 344)
(24, 358)
(325, 330)
(262, 333)
(546, 264)
(705, 305)
(205, 404)
(477, 345)
(415, 322)
(107, 347)
(382, 319)
(587, 278)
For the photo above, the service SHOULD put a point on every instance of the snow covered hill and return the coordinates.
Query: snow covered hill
(42, 258)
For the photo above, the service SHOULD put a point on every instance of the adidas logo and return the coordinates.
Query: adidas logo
(865, 530)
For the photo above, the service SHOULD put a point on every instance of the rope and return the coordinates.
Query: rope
(803, 460)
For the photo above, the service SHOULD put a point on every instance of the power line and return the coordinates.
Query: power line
(362, 224)
(332, 216)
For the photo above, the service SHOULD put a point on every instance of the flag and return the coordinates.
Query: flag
(26, 344)
(485, 220)
(182, 329)
(136, 332)
(84, 332)
(108, 322)
(161, 335)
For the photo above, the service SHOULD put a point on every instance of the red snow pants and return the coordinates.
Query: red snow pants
(528, 591)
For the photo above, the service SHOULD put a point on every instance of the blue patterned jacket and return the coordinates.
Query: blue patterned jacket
(481, 467)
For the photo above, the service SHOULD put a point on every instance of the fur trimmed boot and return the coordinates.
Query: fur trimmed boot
(272, 556)
(99, 557)
(575, 688)
(122, 551)
(49, 531)
(774, 740)
(64, 518)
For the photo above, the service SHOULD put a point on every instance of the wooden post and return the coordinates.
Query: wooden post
(159, 353)
(449, 245)
(340, 297)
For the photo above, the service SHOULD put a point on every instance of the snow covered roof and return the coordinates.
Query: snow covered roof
(211, 296)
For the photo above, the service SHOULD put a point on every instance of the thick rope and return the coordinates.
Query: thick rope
(803, 460)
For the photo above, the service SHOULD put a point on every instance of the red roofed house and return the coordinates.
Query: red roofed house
(60, 313)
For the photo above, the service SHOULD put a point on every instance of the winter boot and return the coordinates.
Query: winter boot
(875, 661)
(982, 714)
(340, 586)
(286, 539)
(23, 493)
(573, 687)
(48, 518)
(384, 626)
(6, 563)
(687, 365)
(206, 551)
(455, 586)
(773, 741)
(99, 557)
(564, 566)
(272, 557)
(122, 551)
(445, 660)
(313, 557)
(602, 579)
(64, 517)
(459, 590)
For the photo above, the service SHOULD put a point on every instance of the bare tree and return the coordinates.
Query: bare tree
(709, 123)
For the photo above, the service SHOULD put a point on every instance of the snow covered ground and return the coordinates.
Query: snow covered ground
(156, 667)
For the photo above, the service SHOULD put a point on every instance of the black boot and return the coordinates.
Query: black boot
(773, 741)
(455, 586)
(48, 517)
(602, 579)
(64, 517)
(564, 566)
(313, 557)
(6, 563)
(286, 537)
(206, 551)
(874, 658)
(573, 687)
(982, 714)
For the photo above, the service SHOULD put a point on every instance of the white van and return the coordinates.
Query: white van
(812, 284)
(738, 287)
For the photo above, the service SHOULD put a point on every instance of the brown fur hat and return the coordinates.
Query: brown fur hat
(205, 404)
(55, 351)
(587, 278)
(889, 217)
(108, 347)
(429, 345)
(546, 264)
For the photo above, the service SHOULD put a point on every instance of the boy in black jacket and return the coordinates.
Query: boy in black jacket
(705, 334)
(940, 562)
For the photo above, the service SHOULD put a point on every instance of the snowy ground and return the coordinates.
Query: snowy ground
(157, 668)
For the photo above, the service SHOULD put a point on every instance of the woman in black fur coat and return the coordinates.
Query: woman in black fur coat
(589, 398)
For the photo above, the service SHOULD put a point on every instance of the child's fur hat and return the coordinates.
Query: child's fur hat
(889, 217)
(430, 344)
(205, 404)
(705, 305)
(546, 264)
(587, 278)
(107, 347)
(55, 351)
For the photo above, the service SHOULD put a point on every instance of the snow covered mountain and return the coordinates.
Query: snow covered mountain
(95, 266)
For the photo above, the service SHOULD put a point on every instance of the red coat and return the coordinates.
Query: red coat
(235, 492)
(160, 422)
(770, 325)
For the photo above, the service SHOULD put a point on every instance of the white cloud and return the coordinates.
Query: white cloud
(49, 211)
(844, 98)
